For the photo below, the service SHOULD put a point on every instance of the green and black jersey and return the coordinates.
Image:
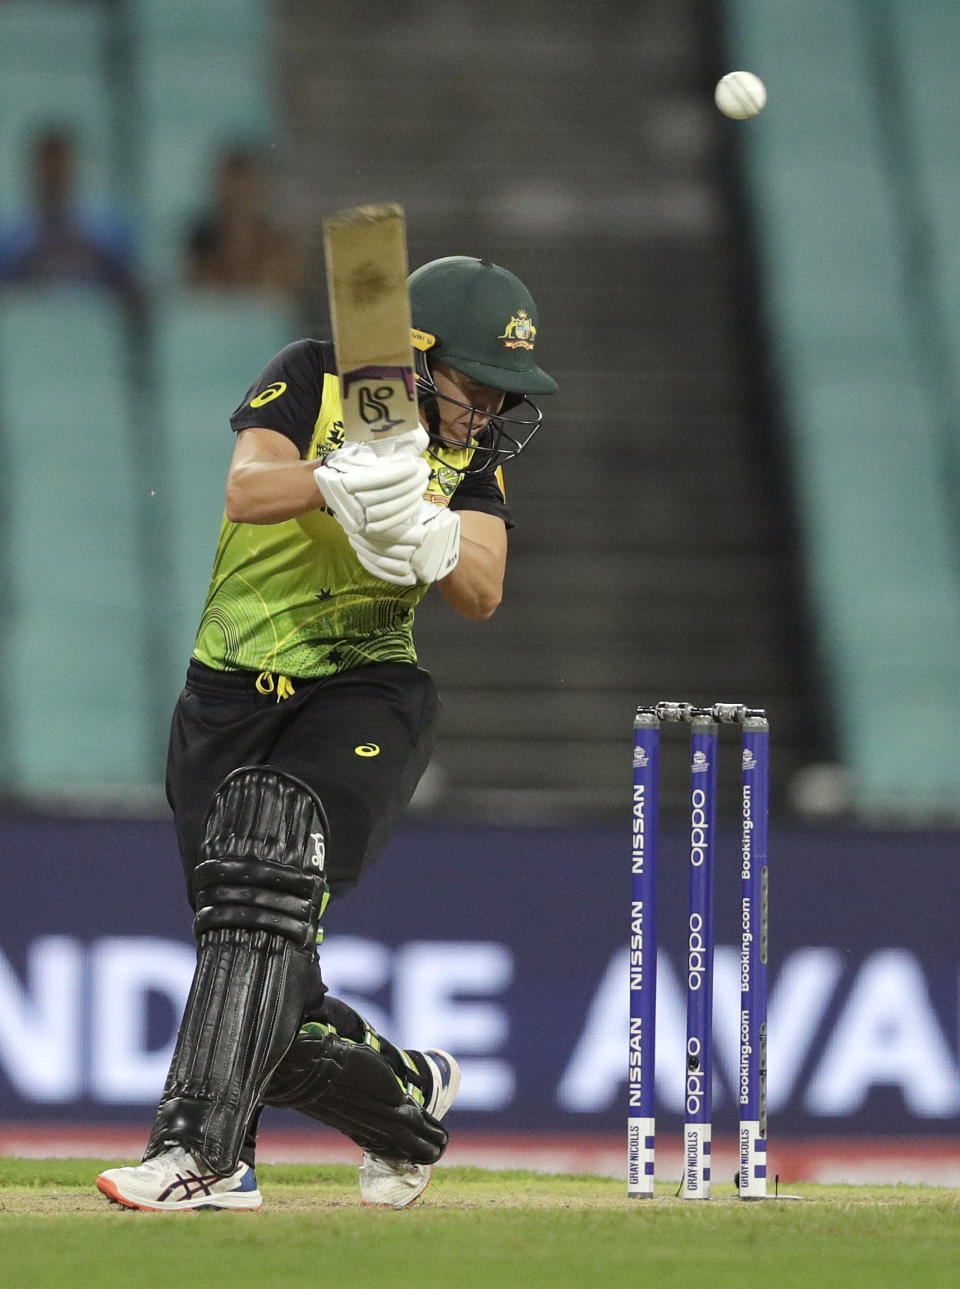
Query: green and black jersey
(292, 598)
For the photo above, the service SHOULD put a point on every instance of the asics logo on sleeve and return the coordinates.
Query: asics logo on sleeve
(367, 749)
(269, 394)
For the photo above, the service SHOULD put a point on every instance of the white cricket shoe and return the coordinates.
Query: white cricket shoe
(397, 1183)
(176, 1180)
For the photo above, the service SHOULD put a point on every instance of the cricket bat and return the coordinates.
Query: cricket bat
(366, 257)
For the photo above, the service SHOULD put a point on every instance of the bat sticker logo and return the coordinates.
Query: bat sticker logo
(373, 406)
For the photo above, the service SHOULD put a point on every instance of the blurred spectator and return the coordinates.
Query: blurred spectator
(62, 239)
(236, 244)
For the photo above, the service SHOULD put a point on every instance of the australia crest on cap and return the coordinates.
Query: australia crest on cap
(520, 331)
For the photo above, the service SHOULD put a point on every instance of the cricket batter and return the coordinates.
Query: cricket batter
(305, 725)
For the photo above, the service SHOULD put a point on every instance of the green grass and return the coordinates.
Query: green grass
(473, 1228)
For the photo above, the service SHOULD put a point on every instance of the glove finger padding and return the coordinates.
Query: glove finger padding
(391, 508)
(351, 1087)
(388, 561)
(366, 491)
(376, 477)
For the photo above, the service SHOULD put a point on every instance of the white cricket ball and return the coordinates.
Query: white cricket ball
(740, 95)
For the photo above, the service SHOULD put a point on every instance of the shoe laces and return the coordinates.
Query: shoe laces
(393, 1165)
(172, 1157)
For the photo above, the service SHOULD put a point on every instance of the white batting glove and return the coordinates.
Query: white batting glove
(436, 540)
(376, 489)
(426, 551)
(388, 561)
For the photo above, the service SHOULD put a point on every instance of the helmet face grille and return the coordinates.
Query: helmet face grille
(502, 437)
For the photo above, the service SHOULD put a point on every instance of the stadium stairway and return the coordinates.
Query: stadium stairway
(653, 555)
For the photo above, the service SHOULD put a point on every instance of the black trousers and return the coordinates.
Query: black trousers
(361, 739)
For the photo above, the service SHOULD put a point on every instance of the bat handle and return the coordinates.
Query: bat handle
(412, 443)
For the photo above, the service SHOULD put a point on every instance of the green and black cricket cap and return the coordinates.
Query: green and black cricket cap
(479, 319)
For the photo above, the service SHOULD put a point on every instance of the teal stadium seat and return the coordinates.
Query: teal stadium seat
(76, 694)
(928, 49)
(209, 350)
(203, 70)
(180, 21)
(864, 423)
(53, 74)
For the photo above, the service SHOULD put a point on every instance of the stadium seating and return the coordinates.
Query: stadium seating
(79, 594)
(865, 424)
(201, 75)
(926, 37)
(114, 449)
(54, 64)
(870, 432)
(209, 348)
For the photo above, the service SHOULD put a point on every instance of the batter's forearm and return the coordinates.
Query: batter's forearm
(475, 587)
(268, 492)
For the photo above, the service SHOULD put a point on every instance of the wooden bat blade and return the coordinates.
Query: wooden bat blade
(366, 258)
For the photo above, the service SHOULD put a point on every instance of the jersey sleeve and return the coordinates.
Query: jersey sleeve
(287, 394)
(482, 490)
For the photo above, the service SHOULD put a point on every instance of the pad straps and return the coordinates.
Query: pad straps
(260, 892)
(351, 1087)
